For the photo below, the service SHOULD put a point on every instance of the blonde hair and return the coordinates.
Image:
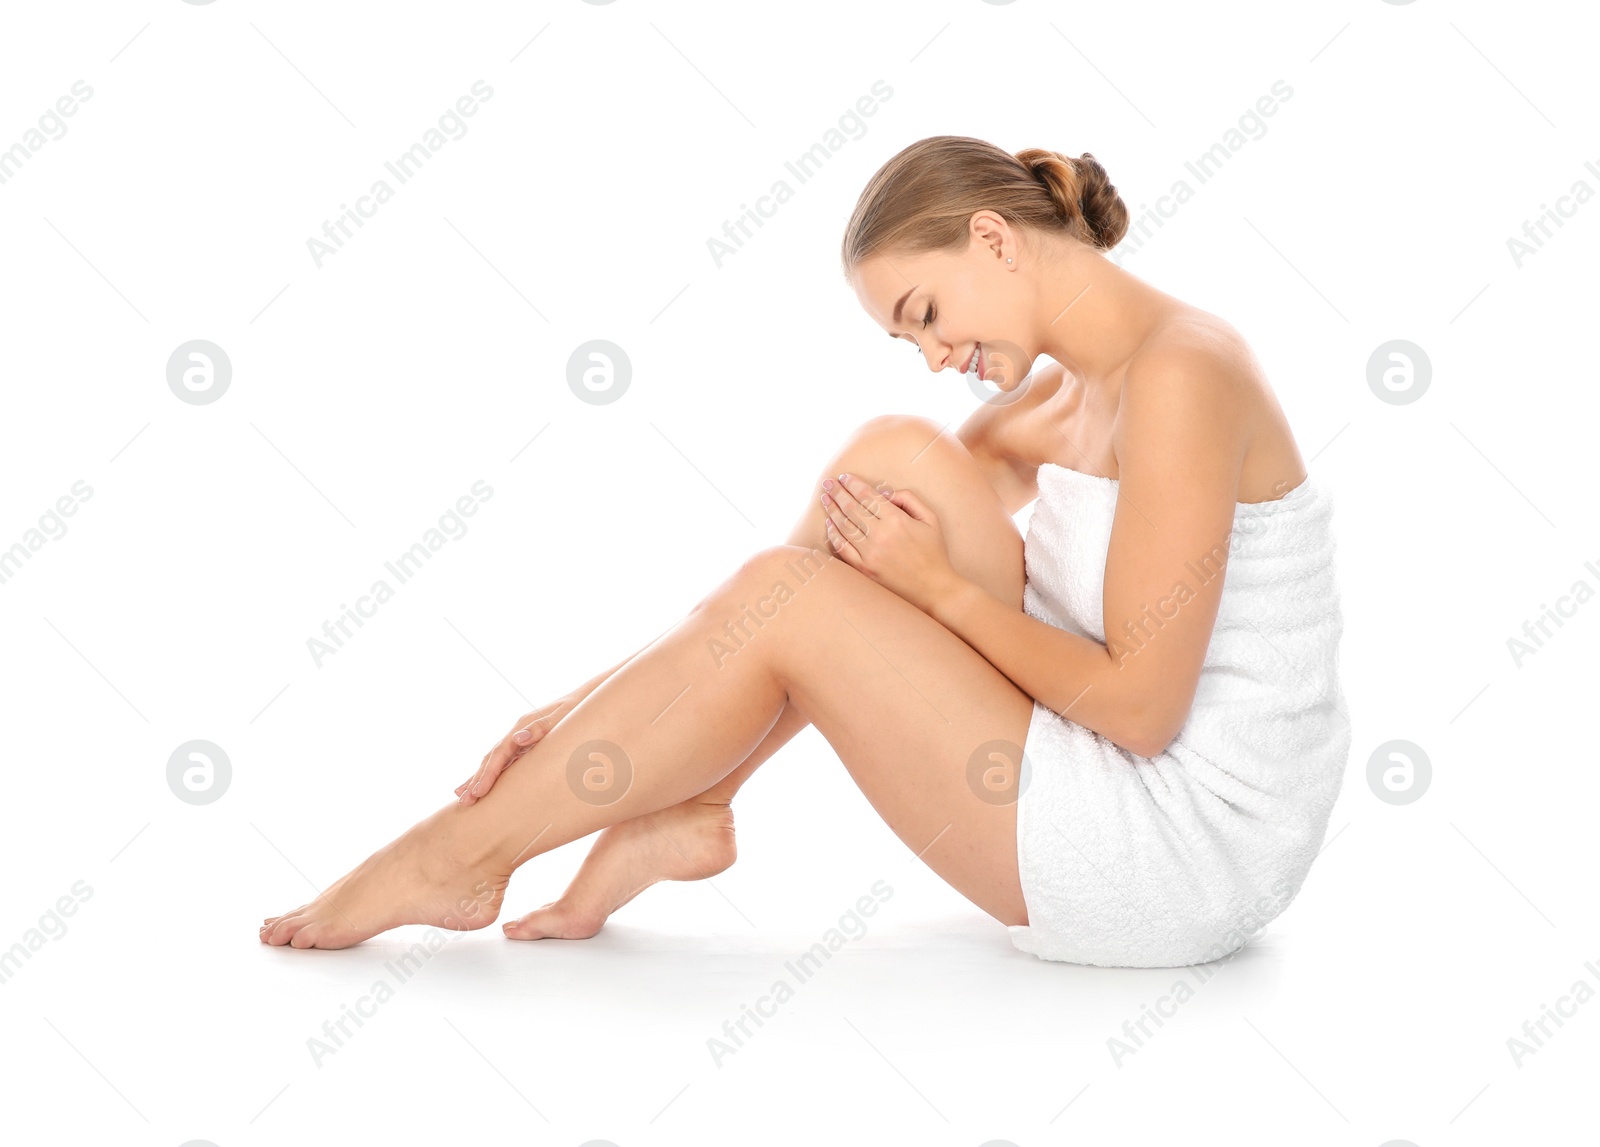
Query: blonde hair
(923, 199)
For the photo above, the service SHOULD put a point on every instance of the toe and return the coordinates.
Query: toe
(279, 931)
(525, 927)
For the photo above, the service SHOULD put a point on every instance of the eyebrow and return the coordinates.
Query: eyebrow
(898, 306)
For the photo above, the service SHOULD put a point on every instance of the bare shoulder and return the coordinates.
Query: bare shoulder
(1001, 438)
(1199, 371)
(1201, 352)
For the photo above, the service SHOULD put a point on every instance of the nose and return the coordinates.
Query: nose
(937, 359)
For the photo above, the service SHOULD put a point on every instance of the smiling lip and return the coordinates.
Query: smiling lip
(966, 363)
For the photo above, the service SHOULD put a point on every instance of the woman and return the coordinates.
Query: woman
(1149, 799)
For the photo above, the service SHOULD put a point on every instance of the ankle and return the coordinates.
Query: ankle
(470, 842)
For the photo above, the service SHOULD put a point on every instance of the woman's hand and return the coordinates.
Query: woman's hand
(526, 733)
(889, 535)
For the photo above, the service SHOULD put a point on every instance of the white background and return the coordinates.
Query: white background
(369, 394)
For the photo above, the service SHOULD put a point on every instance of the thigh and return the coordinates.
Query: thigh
(913, 453)
(924, 723)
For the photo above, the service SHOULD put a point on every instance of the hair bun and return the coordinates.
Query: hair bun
(923, 199)
(1082, 193)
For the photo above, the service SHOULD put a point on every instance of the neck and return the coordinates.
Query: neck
(1094, 316)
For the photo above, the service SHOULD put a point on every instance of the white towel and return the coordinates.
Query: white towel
(1131, 861)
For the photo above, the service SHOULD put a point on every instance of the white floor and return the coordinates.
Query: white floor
(1377, 1008)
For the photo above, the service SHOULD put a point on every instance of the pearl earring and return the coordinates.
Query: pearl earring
(1008, 260)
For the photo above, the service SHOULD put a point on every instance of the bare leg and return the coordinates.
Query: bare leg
(695, 839)
(906, 704)
(692, 840)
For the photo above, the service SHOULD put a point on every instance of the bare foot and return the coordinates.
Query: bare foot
(421, 878)
(689, 841)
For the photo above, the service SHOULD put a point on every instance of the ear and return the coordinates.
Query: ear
(993, 234)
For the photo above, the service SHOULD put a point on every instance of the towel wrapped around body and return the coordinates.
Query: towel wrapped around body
(1177, 859)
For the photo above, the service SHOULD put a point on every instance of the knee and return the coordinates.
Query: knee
(780, 570)
(882, 447)
(895, 433)
(766, 582)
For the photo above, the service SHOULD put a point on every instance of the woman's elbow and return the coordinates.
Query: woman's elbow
(1153, 747)
(1153, 731)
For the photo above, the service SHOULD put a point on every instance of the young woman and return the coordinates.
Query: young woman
(1121, 739)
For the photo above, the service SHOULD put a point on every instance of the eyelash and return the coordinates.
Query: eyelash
(926, 319)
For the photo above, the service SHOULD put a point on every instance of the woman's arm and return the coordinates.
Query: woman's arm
(1180, 440)
(1073, 675)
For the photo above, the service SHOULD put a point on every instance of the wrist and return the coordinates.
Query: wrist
(948, 601)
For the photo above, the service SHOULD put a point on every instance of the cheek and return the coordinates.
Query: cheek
(974, 309)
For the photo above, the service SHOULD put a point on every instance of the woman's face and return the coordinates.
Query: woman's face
(949, 305)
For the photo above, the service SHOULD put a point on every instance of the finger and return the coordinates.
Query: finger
(462, 787)
(833, 515)
(533, 732)
(858, 498)
(508, 751)
(865, 494)
(886, 506)
(502, 756)
(531, 729)
(913, 505)
(483, 777)
(842, 546)
(518, 740)
(848, 515)
(513, 747)
(488, 760)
